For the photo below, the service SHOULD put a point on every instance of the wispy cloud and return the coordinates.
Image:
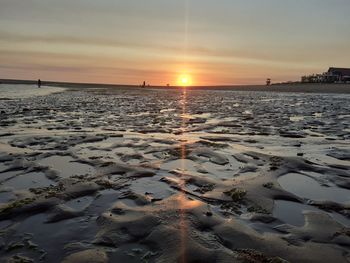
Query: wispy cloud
(125, 41)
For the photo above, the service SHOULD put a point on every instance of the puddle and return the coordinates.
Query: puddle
(219, 171)
(156, 189)
(306, 187)
(167, 110)
(80, 203)
(133, 161)
(181, 164)
(7, 175)
(54, 237)
(219, 120)
(6, 197)
(101, 144)
(296, 118)
(103, 201)
(5, 224)
(313, 174)
(158, 144)
(128, 202)
(246, 176)
(28, 180)
(88, 153)
(194, 116)
(3, 167)
(292, 213)
(132, 253)
(67, 166)
(139, 114)
(124, 150)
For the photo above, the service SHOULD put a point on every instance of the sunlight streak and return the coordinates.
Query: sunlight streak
(184, 80)
(182, 223)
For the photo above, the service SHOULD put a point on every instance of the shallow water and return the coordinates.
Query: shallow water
(80, 203)
(163, 169)
(6, 197)
(28, 180)
(292, 213)
(153, 188)
(307, 187)
(181, 164)
(67, 166)
(61, 233)
(3, 167)
(4, 176)
(21, 91)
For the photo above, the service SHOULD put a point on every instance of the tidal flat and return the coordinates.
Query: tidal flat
(174, 175)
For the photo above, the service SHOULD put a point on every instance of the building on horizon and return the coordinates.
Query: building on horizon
(333, 75)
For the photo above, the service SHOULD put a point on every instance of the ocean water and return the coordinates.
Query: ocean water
(10, 91)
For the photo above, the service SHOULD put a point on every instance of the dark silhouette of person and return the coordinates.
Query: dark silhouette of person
(268, 82)
(39, 83)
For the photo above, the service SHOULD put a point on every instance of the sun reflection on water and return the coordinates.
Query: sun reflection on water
(182, 198)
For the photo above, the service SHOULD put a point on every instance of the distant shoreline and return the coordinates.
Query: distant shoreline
(283, 87)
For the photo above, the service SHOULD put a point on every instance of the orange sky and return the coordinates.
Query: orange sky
(128, 41)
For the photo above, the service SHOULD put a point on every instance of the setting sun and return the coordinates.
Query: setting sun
(184, 80)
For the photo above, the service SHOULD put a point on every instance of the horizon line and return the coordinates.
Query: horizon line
(31, 81)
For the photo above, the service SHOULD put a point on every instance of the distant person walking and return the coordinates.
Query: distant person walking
(39, 83)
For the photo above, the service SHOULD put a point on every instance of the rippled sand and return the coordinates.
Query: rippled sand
(152, 175)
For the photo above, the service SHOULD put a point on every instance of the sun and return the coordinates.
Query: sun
(184, 80)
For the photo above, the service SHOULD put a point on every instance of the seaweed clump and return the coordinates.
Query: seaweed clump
(236, 194)
(253, 256)
(17, 204)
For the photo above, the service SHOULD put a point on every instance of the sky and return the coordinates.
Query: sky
(215, 42)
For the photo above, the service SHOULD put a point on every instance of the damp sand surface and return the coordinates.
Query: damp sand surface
(173, 175)
(20, 91)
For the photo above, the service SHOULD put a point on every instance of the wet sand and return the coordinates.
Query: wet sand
(175, 175)
(341, 88)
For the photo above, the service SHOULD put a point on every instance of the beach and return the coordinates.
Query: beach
(127, 174)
